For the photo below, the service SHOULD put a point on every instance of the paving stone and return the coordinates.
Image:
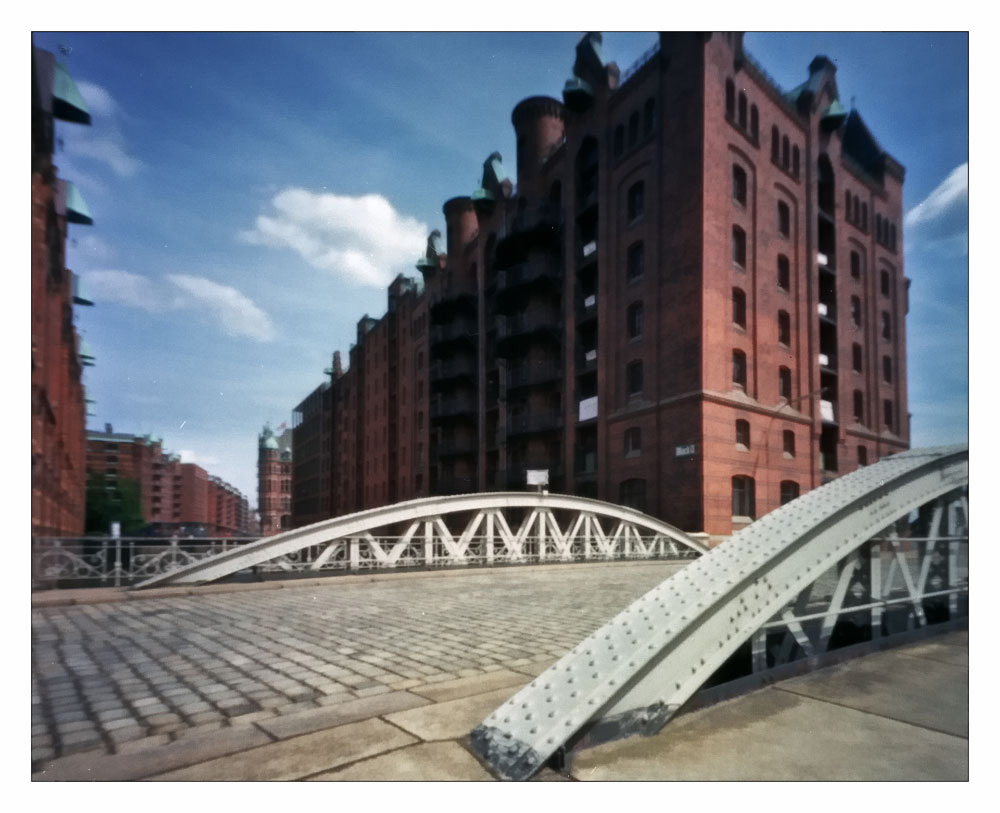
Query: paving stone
(424, 762)
(124, 734)
(237, 706)
(193, 708)
(115, 725)
(299, 756)
(79, 725)
(143, 743)
(285, 726)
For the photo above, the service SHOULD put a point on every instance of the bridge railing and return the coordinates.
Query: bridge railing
(108, 562)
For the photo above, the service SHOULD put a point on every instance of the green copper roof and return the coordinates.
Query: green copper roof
(271, 443)
(87, 357)
(834, 111)
(482, 194)
(80, 292)
(76, 207)
(67, 103)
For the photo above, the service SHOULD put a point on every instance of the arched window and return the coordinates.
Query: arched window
(788, 442)
(739, 185)
(743, 497)
(742, 111)
(633, 320)
(864, 216)
(634, 261)
(887, 369)
(885, 282)
(754, 119)
(795, 161)
(859, 406)
(886, 326)
(739, 307)
(743, 433)
(648, 117)
(784, 273)
(633, 129)
(857, 210)
(784, 219)
(784, 383)
(789, 491)
(855, 311)
(619, 140)
(636, 201)
(739, 368)
(739, 247)
(785, 153)
(730, 99)
(862, 456)
(775, 144)
(892, 237)
(784, 328)
(633, 378)
(855, 265)
(856, 356)
(633, 442)
(887, 413)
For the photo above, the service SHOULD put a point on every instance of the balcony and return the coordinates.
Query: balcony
(584, 462)
(452, 446)
(460, 367)
(529, 321)
(532, 422)
(532, 272)
(461, 330)
(532, 374)
(458, 406)
(586, 308)
(828, 411)
(586, 361)
(587, 253)
(827, 312)
(587, 409)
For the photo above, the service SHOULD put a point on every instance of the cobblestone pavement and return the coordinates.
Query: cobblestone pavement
(159, 669)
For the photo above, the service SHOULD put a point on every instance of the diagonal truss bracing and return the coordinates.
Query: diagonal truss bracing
(635, 672)
(457, 530)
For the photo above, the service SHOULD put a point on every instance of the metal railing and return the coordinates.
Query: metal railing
(114, 562)
(633, 69)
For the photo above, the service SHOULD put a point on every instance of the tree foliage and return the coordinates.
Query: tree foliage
(110, 501)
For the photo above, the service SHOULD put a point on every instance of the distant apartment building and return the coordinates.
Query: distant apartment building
(58, 353)
(171, 493)
(692, 302)
(274, 480)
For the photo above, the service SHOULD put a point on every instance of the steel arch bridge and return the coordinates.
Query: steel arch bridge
(465, 529)
(872, 554)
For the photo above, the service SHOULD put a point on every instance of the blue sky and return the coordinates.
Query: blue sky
(254, 193)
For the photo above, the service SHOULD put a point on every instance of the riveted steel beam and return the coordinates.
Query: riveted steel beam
(635, 672)
(441, 545)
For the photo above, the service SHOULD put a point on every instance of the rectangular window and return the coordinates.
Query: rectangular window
(789, 491)
(739, 308)
(633, 442)
(634, 320)
(784, 328)
(886, 283)
(739, 368)
(887, 413)
(887, 369)
(784, 383)
(788, 443)
(743, 433)
(784, 273)
(743, 497)
(739, 185)
(855, 265)
(636, 201)
(633, 378)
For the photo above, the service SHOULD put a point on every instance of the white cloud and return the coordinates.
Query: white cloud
(362, 239)
(188, 456)
(944, 213)
(103, 140)
(237, 314)
(132, 290)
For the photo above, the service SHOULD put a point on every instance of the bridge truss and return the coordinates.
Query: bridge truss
(468, 529)
(877, 553)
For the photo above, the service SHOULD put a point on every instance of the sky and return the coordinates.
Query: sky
(253, 195)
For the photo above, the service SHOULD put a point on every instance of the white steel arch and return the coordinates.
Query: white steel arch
(635, 672)
(589, 529)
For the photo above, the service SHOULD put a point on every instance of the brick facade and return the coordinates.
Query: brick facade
(693, 303)
(274, 481)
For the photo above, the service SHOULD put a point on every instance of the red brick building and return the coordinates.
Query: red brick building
(171, 493)
(693, 302)
(57, 351)
(274, 481)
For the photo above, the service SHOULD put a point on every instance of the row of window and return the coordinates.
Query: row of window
(744, 502)
(740, 317)
(782, 156)
(885, 233)
(648, 121)
(736, 111)
(740, 197)
(855, 211)
(743, 438)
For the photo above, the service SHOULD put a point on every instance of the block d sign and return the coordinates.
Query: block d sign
(538, 477)
(684, 451)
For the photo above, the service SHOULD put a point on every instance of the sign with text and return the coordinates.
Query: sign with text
(687, 450)
(538, 477)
